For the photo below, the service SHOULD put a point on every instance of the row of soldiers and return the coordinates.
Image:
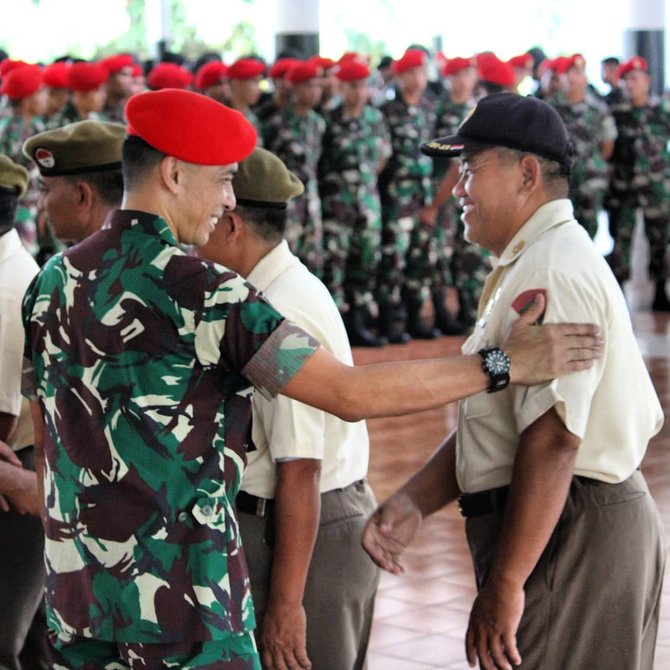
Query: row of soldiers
(377, 221)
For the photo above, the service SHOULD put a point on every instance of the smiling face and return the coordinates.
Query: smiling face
(488, 190)
(206, 192)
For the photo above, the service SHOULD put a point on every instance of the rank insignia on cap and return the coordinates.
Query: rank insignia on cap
(45, 158)
(434, 144)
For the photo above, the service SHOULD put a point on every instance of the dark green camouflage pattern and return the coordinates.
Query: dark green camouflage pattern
(237, 652)
(353, 150)
(14, 131)
(405, 187)
(640, 179)
(297, 141)
(144, 360)
(590, 124)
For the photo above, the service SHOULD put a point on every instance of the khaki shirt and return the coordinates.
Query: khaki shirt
(613, 407)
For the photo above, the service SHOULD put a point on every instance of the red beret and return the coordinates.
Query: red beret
(635, 63)
(521, 61)
(352, 55)
(84, 77)
(22, 82)
(304, 71)
(411, 58)
(116, 63)
(246, 68)
(8, 65)
(323, 63)
(352, 70)
(55, 75)
(190, 127)
(563, 63)
(495, 71)
(455, 65)
(210, 74)
(168, 75)
(282, 66)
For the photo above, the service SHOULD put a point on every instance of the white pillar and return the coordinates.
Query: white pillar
(645, 36)
(158, 20)
(297, 24)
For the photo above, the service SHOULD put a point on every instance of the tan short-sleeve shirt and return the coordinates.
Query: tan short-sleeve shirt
(613, 407)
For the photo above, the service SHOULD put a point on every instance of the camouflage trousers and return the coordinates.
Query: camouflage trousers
(304, 230)
(587, 199)
(352, 252)
(409, 257)
(238, 652)
(460, 264)
(622, 226)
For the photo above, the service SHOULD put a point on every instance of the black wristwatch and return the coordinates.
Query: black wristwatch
(495, 363)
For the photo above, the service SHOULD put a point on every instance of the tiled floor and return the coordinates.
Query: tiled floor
(421, 617)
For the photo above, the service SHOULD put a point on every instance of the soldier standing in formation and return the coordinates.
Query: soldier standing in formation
(408, 244)
(295, 134)
(641, 177)
(356, 145)
(592, 131)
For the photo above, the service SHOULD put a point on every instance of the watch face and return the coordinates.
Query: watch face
(497, 362)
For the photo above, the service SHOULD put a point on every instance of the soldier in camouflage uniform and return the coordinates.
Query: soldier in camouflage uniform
(592, 132)
(87, 83)
(245, 76)
(405, 188)
(119, 86)
(641, 177)
(27, 97)
(460, 264)
(146, 413)
(295, 134)
(356, 145)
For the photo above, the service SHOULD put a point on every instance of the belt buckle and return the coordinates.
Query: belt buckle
(260, 506)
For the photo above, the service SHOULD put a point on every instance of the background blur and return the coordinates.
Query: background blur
(41, 30)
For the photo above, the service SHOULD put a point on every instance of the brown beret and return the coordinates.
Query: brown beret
(13, 175)
(263, 180)
(85, 146)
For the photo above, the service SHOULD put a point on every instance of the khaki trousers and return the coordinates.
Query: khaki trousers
(593, 600)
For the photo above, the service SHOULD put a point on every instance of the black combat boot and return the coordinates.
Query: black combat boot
(415, 323)
(387, 326)
(359, 335)
(448, 324)
(661, 302)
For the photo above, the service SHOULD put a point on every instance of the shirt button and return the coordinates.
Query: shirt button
(183, 516)
(207, 510)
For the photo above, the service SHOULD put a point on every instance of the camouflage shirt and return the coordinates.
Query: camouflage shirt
(144, 360)
(408, 170)
(641, 157)
(353, 149)
(14, 131)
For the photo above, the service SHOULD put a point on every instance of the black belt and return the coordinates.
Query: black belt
(249, 504)
(484, 502)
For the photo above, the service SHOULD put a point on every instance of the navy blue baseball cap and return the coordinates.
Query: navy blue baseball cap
(524, 123)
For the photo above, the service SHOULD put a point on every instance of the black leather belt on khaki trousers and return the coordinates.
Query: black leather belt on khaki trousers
(251, 504)
(483, 502)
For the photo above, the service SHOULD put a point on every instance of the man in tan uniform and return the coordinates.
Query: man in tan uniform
(565, 538)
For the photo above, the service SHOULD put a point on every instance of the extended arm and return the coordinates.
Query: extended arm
(353, 393)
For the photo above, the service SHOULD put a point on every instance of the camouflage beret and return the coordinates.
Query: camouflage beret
(263, 180)
(13, 175)
(85, 146)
